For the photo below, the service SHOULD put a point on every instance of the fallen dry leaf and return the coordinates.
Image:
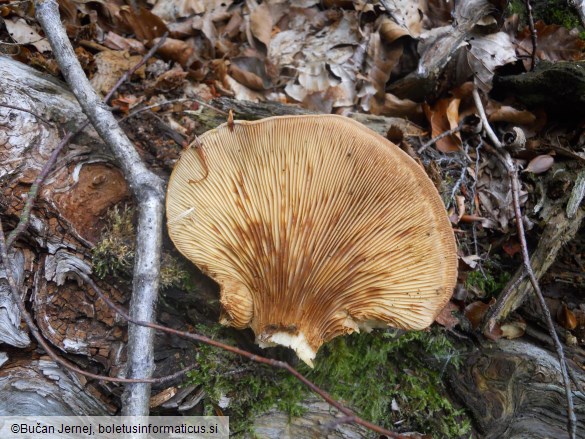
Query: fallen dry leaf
(111, 65)
(566, 318)
(514, 329)
(505, 113)
(250, 71)
(117, 42)
(475, 311)
(555, 43)
(443, 116)
(177, 50)
(146, 25)
(486, 52)
(447, 317)
(406, 14)
(169, 80)
(381, 59)
(540, 164)
(172, 10)
(261, 25)
(23, 33)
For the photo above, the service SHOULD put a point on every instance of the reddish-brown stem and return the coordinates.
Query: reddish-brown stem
(532, 34)
(14, 107)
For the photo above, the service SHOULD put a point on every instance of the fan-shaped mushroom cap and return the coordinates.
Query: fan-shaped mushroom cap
(314, 227)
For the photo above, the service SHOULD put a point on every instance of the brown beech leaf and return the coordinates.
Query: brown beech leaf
(261, 24)
(390, 31)
(566, 318)
(447, 317)
(555, 43)
(443, 116)
(540, 164)
(475, 311)
(511, 115)
(393, 106)
(143, 23)
(250, 71)
(117, 42)
(176, 50)
(124, 103)
(380, 61)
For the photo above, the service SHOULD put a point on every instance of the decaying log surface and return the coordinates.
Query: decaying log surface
(514, 390)
(66, 222)
(511, 388)
(38, 387)
(319, 421)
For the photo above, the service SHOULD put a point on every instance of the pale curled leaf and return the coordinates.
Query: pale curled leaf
(487, 52)
(23, 33)
(540, 164)
(261, 24)
(513, 330)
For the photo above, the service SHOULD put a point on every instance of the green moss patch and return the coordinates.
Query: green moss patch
(394, 381)
(113, 256)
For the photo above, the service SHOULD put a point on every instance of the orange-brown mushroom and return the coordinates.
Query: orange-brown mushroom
(314, 227)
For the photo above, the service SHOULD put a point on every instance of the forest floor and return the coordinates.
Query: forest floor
(411, 70)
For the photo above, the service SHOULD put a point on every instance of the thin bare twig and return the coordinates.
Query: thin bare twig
(34, 189)
(532, 34)
(48, 349)
(441, 136)
(350, 416)
(504, 156)
(14, 107)
(172, 101)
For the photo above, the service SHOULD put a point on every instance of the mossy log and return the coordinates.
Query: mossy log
(510, 389)
(559, 86)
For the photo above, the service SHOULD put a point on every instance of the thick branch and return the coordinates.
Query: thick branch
(149, 192)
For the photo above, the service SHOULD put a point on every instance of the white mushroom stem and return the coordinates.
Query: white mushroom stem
(297, 343)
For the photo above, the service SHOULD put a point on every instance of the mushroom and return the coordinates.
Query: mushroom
(314, 227)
